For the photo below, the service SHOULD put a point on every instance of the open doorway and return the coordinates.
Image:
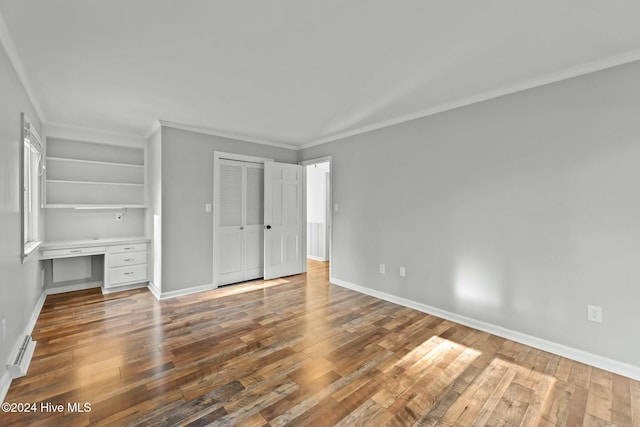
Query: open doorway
(318, 208)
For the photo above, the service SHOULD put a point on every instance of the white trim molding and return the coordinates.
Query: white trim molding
(226, 134)
(568, 73)
(5, 378)
(155, 290)
(153, 128)
(615, 366)
(14, 58)
(5, 383)
(179, 293)
(72, 288)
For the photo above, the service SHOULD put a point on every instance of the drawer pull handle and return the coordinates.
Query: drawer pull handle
(77, 251)
(128, 260)
(128, 248)
(128, 273)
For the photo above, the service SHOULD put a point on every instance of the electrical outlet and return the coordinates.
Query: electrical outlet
(119, 216)
(594, 313)
(403, 271)
(3, 329)
(381, 269)
(207, 207)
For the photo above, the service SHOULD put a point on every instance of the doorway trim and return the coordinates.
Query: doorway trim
(217, 156)
(310, 162)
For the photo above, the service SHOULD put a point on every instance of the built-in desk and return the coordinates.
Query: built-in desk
(125, 259)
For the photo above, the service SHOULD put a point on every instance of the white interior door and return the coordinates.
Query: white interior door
(241, 221)
(283, 216)
(254, 222)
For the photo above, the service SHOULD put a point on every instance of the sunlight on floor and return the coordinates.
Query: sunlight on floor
(508, 387)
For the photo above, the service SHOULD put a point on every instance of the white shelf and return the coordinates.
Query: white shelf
(64, 181)
(89, 175)
(93, 162)
(93, 206)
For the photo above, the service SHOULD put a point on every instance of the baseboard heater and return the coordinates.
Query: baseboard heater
(22, 360)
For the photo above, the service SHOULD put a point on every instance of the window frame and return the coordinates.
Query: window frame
(31, 171)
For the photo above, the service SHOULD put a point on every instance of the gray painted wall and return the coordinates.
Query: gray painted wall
(153, 223)
(71, 224)
(20, 284)
(187, 184)
(518, 211)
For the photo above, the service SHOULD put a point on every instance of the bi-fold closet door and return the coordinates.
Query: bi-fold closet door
(241, 252)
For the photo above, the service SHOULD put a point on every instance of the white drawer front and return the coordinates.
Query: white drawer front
(60, 253)
(119, 260)
(119, 249)
(119, 275)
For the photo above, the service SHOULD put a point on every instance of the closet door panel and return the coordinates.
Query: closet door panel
(231, 250)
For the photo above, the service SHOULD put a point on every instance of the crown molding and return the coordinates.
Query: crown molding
(7, 41)
(229, 135)
(153, 128)
(568, 73)
(87, 134)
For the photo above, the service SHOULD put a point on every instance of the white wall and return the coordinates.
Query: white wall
(187, 185)
(153, 222)
(316, 186)
(20, 284)
(518, 211)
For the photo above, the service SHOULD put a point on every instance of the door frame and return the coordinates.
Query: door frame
(310, 162)
(217, 156)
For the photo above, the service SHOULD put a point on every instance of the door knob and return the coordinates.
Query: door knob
(241, 228)
(268, 227)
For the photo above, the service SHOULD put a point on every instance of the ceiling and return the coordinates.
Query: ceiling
(299, 72)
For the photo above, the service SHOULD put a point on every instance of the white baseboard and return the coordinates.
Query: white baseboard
(615, 366)
(154, 290)
(316, 258)
(112, 290)
(5, 379)
(5, 383)
(72, 288)
(172, 294)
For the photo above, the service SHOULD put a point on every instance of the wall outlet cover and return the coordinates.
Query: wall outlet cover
(594, 313)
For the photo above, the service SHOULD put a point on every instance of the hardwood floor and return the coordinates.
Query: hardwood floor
(296, 351)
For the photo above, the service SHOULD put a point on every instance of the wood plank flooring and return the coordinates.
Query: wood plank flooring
(296, 351)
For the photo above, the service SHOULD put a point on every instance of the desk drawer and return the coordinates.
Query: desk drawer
(119, 249)
(119, 275)
(120, 260)
(61, 253)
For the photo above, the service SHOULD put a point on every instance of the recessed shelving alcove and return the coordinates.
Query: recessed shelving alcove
(91, 175)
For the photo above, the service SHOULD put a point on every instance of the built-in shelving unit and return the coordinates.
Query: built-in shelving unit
(91, 175)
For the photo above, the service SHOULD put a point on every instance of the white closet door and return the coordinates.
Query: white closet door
(283, 220)
(254, 222)
(241, 250)
(231, 222)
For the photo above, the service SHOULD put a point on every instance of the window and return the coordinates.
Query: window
(31, 177)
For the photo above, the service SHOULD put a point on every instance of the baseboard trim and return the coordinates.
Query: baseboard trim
(5, 379)
(106, 291)
(182, 292)
(72, 288)
(615, 366)
(5, 383)
(154, 290)
(316, 258)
